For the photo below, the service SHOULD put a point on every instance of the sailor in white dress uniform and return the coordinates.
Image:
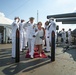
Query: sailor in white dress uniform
(63, 36)
(21, 33)
(31, 37)
(25, 27)
(52, 28)
(69, 36)
(15, 26)
(47, 26)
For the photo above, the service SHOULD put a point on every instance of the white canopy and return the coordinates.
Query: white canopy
(5, 21)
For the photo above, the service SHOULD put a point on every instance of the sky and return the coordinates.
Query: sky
(28, 8)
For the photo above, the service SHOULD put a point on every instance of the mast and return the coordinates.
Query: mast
(37, 16)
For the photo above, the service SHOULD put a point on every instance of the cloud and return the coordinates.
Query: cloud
(2, 14)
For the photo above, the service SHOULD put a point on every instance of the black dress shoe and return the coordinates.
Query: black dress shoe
(47, 51)
(22, 51)
(49, 56)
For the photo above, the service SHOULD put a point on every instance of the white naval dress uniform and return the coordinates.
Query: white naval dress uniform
(69, 37)
(31, 39)
(52, 28)
(47, 38)
(15, 25)
(21, 35)
(63, 36)
(25, 39)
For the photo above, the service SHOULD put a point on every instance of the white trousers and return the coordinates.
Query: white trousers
(24, 40)
(69, 40)
(21, 42)
(31, 43)
(47, 44)
(13, 47)
(64, 41)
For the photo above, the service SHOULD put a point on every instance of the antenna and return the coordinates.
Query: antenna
(37, 16)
